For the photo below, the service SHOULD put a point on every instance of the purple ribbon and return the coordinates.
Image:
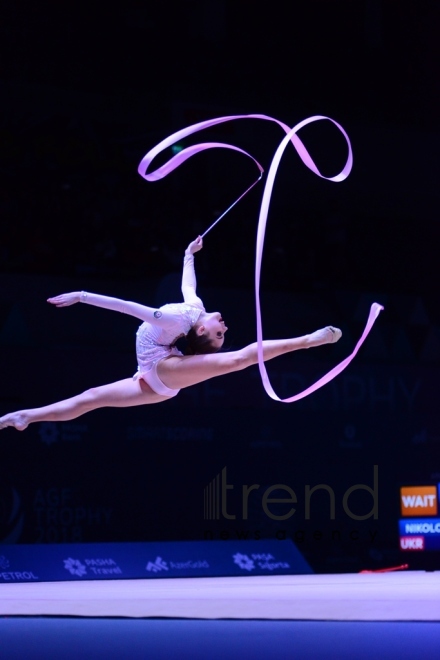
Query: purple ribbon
(292, 137)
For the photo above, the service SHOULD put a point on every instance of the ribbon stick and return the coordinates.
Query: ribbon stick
(232, 205)
(290, 137)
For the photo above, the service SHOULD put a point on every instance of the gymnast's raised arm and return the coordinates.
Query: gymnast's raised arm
(189, 282)
(142, 312)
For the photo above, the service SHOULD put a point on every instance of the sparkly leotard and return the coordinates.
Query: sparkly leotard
(154, 343)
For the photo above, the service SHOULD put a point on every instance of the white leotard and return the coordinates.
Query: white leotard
(155, 343)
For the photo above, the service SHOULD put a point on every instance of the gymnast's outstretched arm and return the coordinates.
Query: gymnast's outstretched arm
(142, 312)
(189, 282)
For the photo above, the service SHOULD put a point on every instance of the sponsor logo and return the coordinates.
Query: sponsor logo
(243, 561)
(17, 576)
(48, 432)
(189, 564)
(98, 566)
(412, 542)
(418, 501)
(262, 560)
(156, 566)
(75, 567)
(171, 433)
(160, 565)
(216, 504)
(23, 576)
(51, 432)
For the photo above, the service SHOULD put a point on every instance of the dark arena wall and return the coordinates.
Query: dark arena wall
(141, 474)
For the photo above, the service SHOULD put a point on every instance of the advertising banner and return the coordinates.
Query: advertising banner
(108, 561)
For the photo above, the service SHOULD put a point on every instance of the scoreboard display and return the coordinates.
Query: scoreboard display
(419, 525)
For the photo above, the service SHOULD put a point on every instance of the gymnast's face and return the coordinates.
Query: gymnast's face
(215, 328)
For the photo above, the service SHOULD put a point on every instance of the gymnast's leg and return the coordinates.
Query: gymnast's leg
(122, 394)
(179, 372)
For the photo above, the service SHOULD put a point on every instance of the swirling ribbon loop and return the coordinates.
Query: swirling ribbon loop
(291, 136)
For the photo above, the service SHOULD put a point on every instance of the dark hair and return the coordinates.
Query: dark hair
(199, 344)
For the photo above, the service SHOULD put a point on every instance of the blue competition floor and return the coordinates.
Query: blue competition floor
(48, 638)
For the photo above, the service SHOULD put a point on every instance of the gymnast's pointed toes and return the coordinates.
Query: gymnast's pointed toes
(336, 334)
(327, 335)
(16, 420)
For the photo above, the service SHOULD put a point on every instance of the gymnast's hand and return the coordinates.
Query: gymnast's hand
(65, 299)
(194, 246)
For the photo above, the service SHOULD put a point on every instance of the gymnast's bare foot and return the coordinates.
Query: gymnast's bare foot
(328, 335)
(17, 420)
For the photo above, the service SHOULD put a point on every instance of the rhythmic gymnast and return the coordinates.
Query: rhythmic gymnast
(162, 369)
